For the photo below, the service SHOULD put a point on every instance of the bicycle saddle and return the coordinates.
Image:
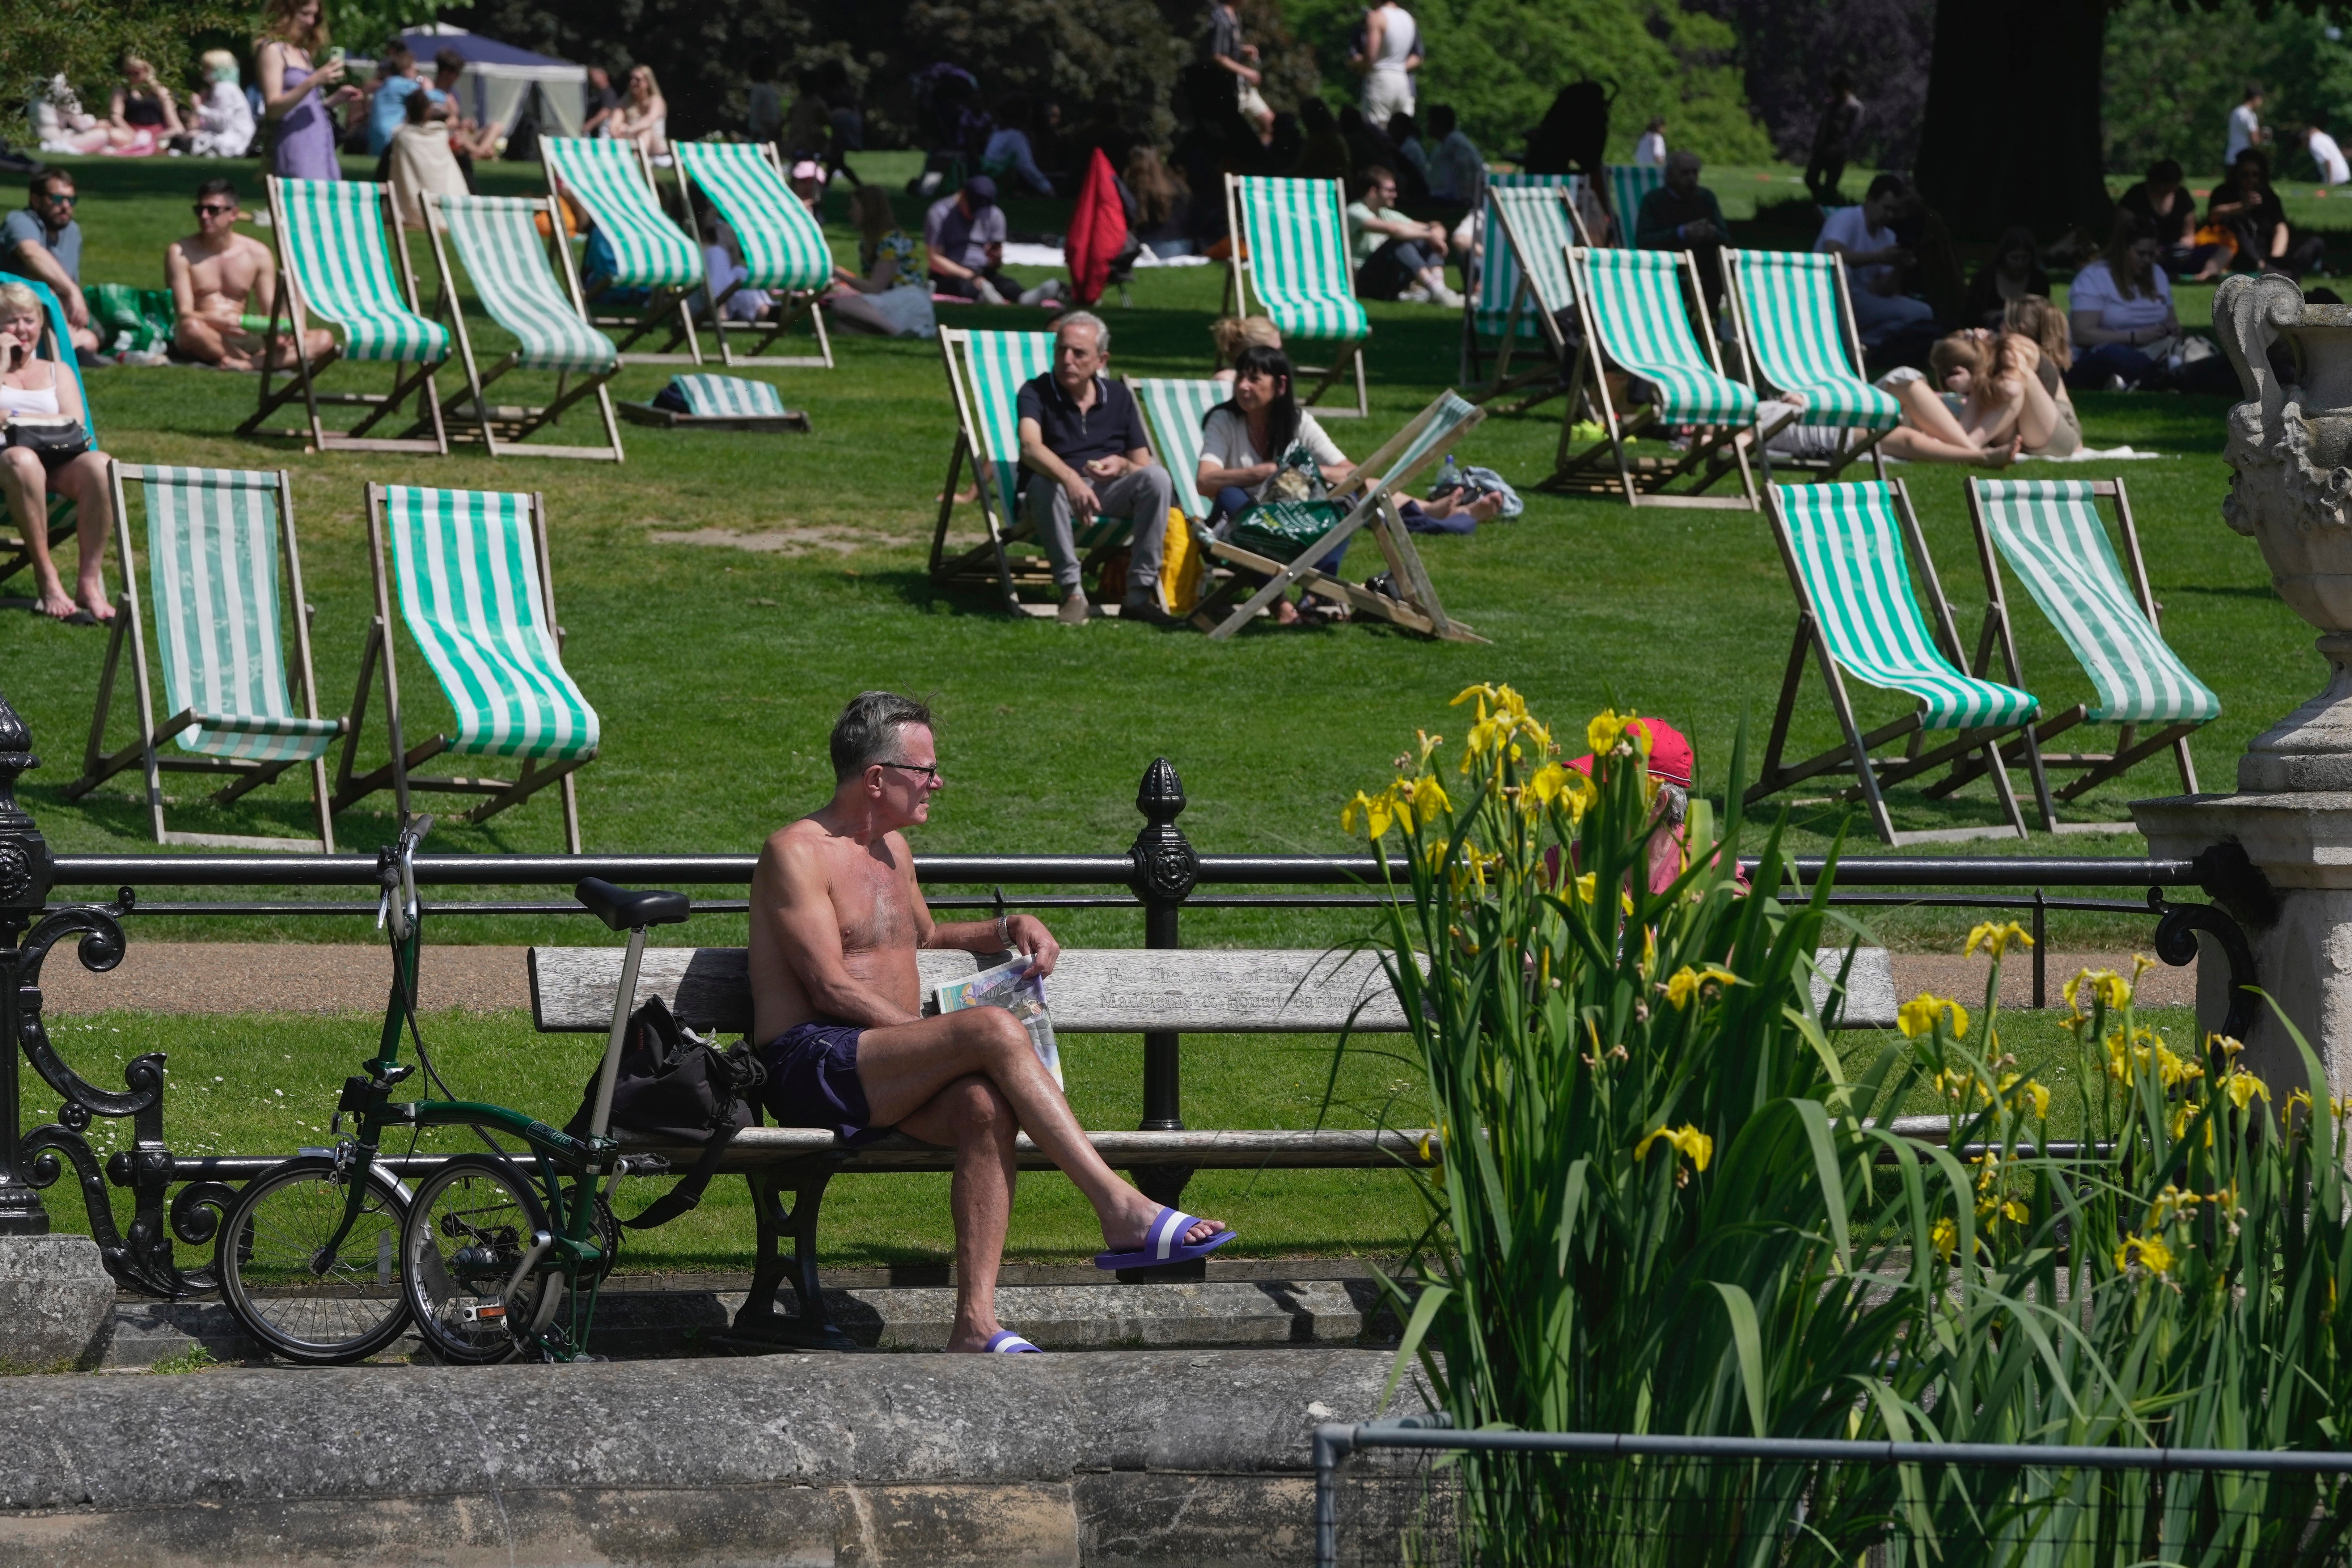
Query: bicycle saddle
(624, 911)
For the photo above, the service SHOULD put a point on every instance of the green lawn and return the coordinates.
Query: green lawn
(718, 666)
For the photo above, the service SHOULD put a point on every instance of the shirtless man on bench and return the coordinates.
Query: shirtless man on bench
(836, 919)
(214, 275)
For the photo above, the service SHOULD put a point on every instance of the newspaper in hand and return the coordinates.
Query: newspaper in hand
(1020, 991)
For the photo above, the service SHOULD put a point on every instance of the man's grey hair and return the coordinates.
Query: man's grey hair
(1085, 319)
(868, 732)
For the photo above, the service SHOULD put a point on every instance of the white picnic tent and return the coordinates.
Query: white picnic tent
(498, 79)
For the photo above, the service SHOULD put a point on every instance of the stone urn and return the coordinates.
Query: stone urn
(2291, 445)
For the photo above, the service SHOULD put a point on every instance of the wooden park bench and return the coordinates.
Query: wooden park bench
(1101, 991)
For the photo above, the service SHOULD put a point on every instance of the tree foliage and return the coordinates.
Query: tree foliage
(85, 40)
(2171, 77)
(1789, 48)
(1500, 62)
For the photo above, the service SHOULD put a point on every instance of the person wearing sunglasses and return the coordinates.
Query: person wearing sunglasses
(224, 286)
(42, 241)
(837, 999)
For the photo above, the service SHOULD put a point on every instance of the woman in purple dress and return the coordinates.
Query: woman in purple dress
(293, 94)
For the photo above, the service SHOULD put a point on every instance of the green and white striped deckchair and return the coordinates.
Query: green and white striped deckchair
(728, 397)
(506, 256)
(1295, 233)
(1628, 183)
(1172, 412)
(1373, 489)
(1495, 307)
(57, 347)
(2050, 533)
(1796, 335)
(214, 541)
(337, 241)
(1631, 303)
(1530, 229)
(611, 179)
(1845, 546)
(469, 570)
(784, 250)
(985, 371)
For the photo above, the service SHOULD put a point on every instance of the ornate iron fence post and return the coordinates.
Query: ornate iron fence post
(24, 873)
(1166, 868)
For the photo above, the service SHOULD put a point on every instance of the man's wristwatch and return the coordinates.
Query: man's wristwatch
(1004, 938)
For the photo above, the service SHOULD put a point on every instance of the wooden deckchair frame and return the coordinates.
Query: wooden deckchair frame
(989, 561)
(796, 301)
(1563, 358)
(661, 298)
(289, 308)
(1415, 608)
(502, 427)
(398, 772)
(1998, 635)
(245, 774)
(1873, 776)
(1643, 480)
(1241, 277)
(1752, 373)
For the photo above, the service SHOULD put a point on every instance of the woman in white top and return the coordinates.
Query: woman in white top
(644, 114)
(33, 387)
(1392, 54)
(2120, 308)
(1243, 441)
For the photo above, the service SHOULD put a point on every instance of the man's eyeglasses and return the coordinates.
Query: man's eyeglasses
(930, 771)
(210, 209)
(60, 198)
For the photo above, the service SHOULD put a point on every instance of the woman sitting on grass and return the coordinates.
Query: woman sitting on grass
(1984, 405)
(890, 294)
(33, 388)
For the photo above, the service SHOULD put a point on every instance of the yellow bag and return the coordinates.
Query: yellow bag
(1182, 565)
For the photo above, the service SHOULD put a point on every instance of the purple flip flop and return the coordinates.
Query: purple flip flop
(1004, 1342)
(1164, 1243)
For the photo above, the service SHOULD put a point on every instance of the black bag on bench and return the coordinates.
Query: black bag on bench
(674, 1084)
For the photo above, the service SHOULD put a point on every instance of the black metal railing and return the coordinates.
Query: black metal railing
(1161, 874)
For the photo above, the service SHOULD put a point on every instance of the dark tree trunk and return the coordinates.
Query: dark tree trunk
(2012, 125)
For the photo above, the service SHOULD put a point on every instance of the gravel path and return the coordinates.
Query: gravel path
(295, 977)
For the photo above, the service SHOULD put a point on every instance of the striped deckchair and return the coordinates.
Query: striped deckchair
(1797, 335)
(337, 241)
(1845, 546)
(214, 537)
(784, 252)
(505, 254)
(1631, 303)
(469, 571)
(721, 403)
(1628, 183)
(2050, 533)
(1530, 229)
(1290, 250)
(985, 370)
(1495, 306)
(651, 254)
(1172, 412)
(1413, 604)
(57, 347)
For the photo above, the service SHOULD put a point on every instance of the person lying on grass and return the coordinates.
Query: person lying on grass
(836, 920)
(216, 276)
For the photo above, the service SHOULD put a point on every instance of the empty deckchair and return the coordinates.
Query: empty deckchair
(1532, 229)
(1797, 336)
(2050, 533)
(721, 403)
(337, 241)
(1494, 306)
(784, 252)
(1848, 549)
(1290, 251)
(1628, 183)
(469, 571)
(1631, 303)
(651, 255)
(499, 239)
(985, 370)
(215, 538)
(57, 347)
(1370, 504)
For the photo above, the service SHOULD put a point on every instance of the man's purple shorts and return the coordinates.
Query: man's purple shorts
(813, 1081)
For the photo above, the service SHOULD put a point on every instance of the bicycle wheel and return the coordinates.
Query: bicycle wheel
(468, 1226)
(305, 1307)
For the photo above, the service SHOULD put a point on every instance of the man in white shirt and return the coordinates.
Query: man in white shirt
(2325, 153)
(1859, 236)
(1650, 151)
(2245, 126)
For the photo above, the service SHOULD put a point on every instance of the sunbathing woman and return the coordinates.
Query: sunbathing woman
(1980, 408)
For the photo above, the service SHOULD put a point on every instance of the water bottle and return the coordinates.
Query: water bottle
(1449, 478)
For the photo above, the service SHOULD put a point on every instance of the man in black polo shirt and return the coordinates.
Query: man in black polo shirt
(1082, 445)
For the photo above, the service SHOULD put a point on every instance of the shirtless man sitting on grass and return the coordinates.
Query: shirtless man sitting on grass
(836, 919)
(214, 273)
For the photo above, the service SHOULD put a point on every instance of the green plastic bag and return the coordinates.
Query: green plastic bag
(1282, 530)
(129, 319)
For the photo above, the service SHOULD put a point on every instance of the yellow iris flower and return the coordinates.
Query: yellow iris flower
(1945, 1237)
(1686, 983)
(1918, 1016)
(1686, 1140)
(2149, 1251)
(1995, 939)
